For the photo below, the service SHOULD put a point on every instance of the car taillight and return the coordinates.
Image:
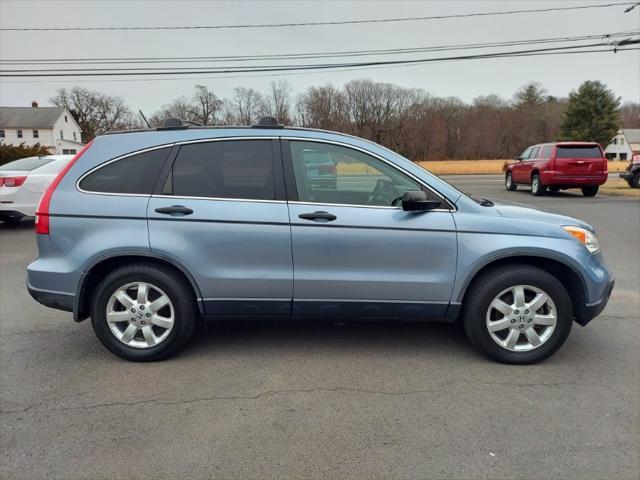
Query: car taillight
(12, 181)
(42, 212)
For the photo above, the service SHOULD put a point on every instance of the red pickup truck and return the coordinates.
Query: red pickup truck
(558, 166)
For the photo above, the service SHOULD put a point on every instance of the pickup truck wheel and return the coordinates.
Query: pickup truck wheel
(590, 191)
(536, 186)
(142, 312)
(635, 181)
(517, 314)
(509, 184)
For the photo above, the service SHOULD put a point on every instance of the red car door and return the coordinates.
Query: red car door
(528, 164)
(517, 170)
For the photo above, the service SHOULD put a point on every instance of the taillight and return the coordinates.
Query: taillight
(42, 212)
(12, 181)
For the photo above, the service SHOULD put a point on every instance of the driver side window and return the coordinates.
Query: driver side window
(327, 173)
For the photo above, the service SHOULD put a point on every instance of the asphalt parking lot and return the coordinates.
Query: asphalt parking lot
(274, 400)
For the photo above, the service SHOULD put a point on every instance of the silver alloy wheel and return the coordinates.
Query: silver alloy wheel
(509, 180)
(535, 184)
(521, 318)
(140, 314)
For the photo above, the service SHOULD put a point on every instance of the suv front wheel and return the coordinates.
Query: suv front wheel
(142, 312)
(517, 314)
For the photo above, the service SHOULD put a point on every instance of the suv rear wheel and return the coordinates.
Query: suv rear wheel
(536, 185)
(590, 191)
(141, 312)
(518, 314)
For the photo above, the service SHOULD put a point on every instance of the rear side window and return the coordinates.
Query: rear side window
(578, 151)
(136, 174)
(26, 164)
(240, 169)
(546, 152)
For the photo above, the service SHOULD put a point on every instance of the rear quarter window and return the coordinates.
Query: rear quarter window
(136, 174)
(578, 151)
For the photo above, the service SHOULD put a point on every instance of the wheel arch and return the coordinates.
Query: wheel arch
(98, 267)
(535, 171)
(570, 278)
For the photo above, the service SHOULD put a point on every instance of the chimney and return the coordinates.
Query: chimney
(34, 104)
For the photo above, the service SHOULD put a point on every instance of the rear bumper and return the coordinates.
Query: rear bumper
(551, 177)
(57, 300)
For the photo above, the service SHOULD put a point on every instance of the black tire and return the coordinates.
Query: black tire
(536, 186)
(509, 184)
(486, 287)
(635, 181)
(179, 292)
(12, 219)
(590, 191)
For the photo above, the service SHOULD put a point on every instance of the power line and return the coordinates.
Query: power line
(284, 68)
(314, 55)
(312, 24)
(262, 75)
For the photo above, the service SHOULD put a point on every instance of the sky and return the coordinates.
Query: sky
(465, 79)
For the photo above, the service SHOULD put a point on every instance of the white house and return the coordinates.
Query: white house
(625, 144)
(51, 127)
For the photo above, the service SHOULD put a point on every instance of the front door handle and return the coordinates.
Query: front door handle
(175, 210)
(330, 217)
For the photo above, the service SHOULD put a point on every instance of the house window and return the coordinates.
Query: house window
(61, 134)
(36, 134)
(615, 141)
(610, 156)
(74, 136)
(1, 133)
(621, 140)
(68, 151)
(19, 133)
(623, 156)
(66, 120)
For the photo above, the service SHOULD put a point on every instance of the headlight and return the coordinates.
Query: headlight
(584, 236)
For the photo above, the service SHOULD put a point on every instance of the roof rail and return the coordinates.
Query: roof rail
(268, 122)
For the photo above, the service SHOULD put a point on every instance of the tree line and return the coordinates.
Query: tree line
(410, 121)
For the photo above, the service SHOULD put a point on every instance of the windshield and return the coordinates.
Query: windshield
(26, 164)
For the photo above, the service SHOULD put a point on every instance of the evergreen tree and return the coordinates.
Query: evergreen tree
(592, 115)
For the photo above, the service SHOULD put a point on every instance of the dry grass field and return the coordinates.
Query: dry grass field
(470, 167)
(619, 186)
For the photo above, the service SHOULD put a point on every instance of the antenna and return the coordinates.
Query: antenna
(144, 118)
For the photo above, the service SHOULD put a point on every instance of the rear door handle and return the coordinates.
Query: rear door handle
(175, 210)
(330, 217)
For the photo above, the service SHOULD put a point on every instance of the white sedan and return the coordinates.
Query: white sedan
(22, 183)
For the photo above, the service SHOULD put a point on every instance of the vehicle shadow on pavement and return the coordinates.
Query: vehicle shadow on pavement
(392, 336)
(23, 225)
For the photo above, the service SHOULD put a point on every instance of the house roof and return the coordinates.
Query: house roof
(632, 134)
(30, 117)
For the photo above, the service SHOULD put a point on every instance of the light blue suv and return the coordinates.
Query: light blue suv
(148, 231)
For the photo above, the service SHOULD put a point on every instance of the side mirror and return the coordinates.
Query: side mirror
(418, 201)
(520, 159)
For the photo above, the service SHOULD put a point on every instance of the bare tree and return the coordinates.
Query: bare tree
(248, 105)
(205, 106)
(278, 101)
(95, 112)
